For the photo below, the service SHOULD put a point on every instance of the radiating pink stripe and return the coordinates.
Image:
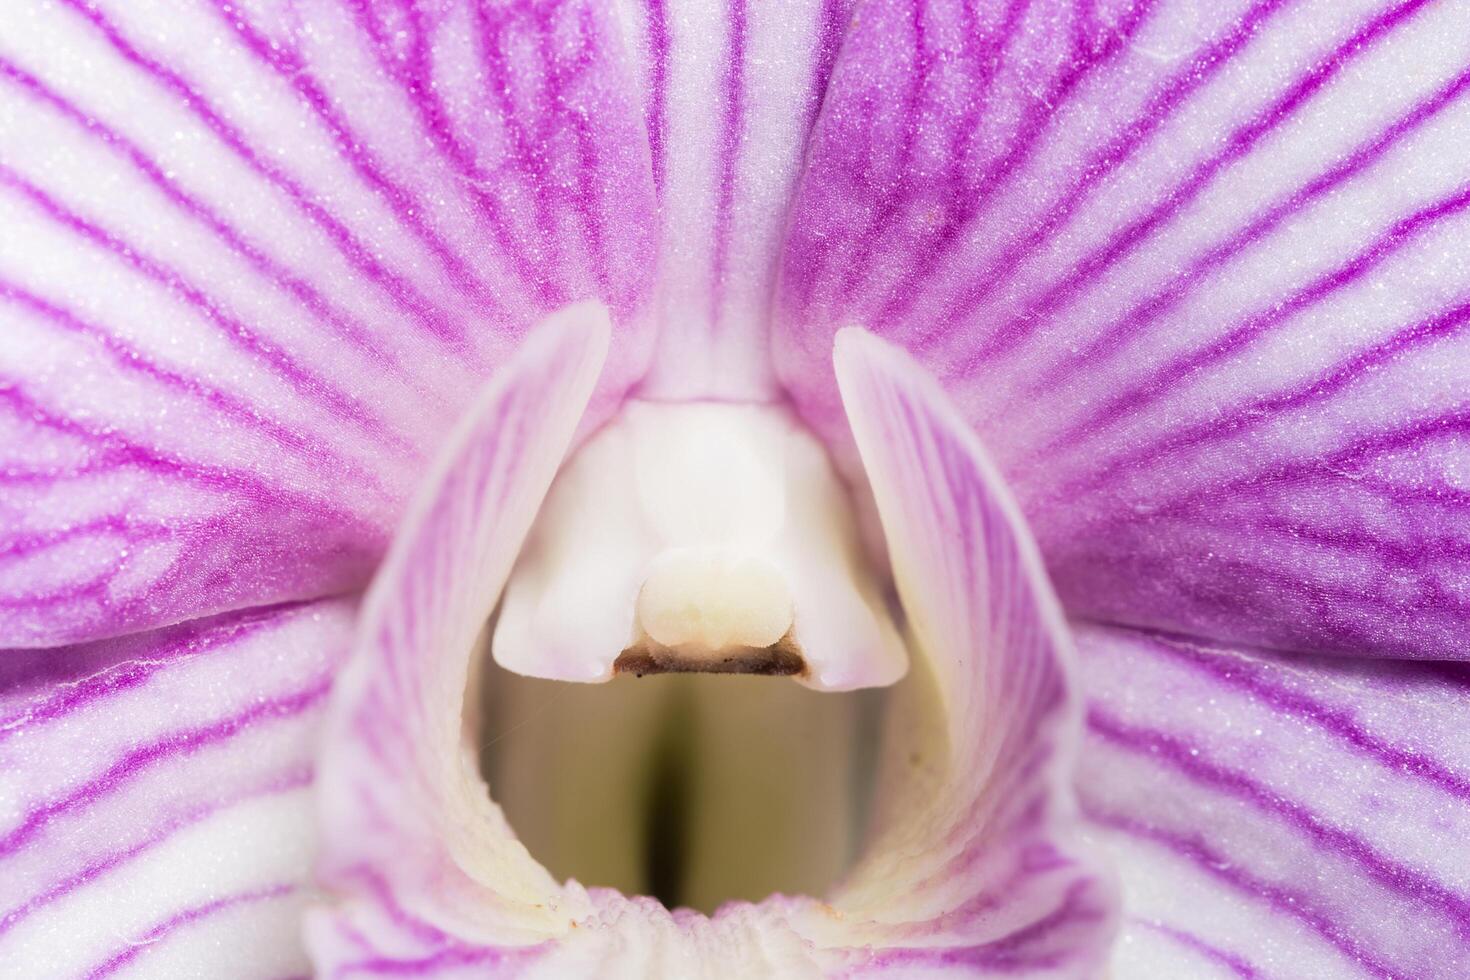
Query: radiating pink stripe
(407, 210)
(128, 359)
(1037, 118)
(1166, 750)
(297, 780)
(234, 331)
(1204, 68)
(395, 285)
(138, 760)
(1281, 900)
(140, 945)
(1113, 339)
(658, 108)
(1166, 378)
(346, 326)
(1124, 242)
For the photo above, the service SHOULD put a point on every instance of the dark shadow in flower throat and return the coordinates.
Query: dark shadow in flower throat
(695, 789)
(666, 812)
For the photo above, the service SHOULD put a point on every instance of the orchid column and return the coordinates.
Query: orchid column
(314, 314)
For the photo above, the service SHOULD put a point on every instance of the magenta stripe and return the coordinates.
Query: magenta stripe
(1270, 408)
(407, 210)
(1036, 119)
(1032, 947)
(242, 484)
(1203, 69)
(829, 43)
(73, 592)
(234, 331)
(990, 53)
(732, 127)
(393, 284)
(1166, 379)
(1339, 722)
(435, 963)
(1113, 339)
(1332, 609)
(296, 780)
(347, 327)
(1282, 901)
(1297, 469)
(547, 112)
(380, 890)
(857, 267)
(137, 761)
(587, 203)
(1122, 243)
(416, 80)
(129, 360)
(983, 51)
(180, 643)
(1236, 964)
(23, 544)
(1421, 553)
(1166, 750)
(658, 107)
(141, 944)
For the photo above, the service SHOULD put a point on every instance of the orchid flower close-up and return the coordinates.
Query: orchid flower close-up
(735, 489)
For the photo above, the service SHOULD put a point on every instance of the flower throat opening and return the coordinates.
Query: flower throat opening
(693, 789)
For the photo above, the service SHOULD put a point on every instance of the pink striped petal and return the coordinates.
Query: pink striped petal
(254, 260)
(414, 847)
(974, 866)
(155, 817)
(1279, 816)
(730, 91)
(992, 862)
(1195, 272)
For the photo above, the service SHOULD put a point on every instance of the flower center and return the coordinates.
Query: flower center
(691, 538)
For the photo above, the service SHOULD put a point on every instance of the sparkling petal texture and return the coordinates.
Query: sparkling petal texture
(1194, 271)
(1196, 274)
(1279, 816)
(155, 813)
(255, 257)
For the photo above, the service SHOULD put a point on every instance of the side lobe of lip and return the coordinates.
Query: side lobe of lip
(977, 861)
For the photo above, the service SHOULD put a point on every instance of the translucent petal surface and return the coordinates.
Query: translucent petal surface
(1279, 817)
(155, 818)
(254, 259)
(973, 865)
(1195, 273)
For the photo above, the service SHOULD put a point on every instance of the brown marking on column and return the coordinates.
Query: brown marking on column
(781, 659)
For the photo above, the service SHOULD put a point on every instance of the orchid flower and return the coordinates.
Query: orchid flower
(1059, 406)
